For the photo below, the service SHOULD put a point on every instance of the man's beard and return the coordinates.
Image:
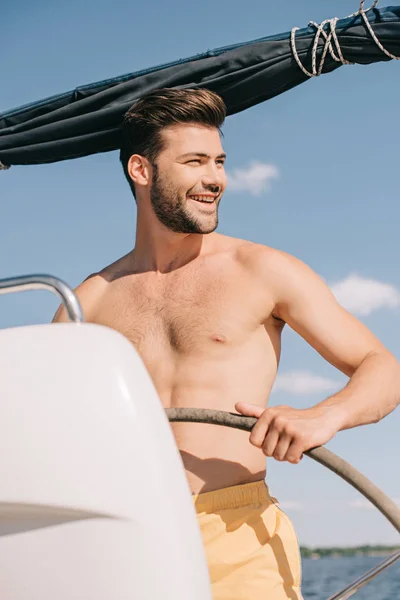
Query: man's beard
(170, 210)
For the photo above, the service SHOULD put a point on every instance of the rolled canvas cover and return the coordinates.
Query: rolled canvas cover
(87, 120)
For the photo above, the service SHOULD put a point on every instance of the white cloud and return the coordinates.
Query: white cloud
(363, 296)
(303, 382)
(364, 504)
(291, 505)
(254, 179)
(361, 504)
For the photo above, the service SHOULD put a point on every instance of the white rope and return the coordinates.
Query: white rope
(332, 44)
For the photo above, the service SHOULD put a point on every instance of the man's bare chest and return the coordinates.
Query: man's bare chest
(186, 315)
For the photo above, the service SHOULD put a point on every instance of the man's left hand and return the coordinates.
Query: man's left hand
(285, 433)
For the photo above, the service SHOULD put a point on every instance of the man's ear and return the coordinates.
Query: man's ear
(139, 170)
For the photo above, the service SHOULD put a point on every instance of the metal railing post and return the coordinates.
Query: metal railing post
(46, 282)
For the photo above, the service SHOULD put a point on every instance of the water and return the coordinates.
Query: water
(326, 576)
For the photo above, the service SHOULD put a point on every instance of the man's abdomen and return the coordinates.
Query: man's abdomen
(216, 457)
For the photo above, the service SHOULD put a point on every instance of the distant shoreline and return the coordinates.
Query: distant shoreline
(339, 552)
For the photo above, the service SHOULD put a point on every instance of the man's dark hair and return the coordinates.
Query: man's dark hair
(143, 123)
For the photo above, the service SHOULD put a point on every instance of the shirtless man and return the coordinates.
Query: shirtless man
(206, 312)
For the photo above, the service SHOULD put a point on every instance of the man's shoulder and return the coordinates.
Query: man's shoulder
(115, 269)
(88, 293)
(264, 264)
(92, 290)
(265, 259)
(95, 285)
(244, 250)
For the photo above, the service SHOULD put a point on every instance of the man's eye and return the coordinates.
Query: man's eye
(194, 161)
(220, 162)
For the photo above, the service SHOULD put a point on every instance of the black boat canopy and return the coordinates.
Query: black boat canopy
(86, 120)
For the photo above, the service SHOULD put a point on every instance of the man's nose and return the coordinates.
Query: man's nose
(213, 179)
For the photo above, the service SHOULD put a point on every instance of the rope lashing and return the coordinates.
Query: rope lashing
(332, 44)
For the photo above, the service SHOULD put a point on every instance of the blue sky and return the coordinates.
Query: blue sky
(327, 156)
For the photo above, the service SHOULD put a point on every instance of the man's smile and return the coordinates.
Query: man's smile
(207, 200)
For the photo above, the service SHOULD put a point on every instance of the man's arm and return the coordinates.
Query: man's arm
(305, 302)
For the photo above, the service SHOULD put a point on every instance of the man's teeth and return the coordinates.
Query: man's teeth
(203, 199)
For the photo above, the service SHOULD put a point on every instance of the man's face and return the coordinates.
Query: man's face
(189, 179)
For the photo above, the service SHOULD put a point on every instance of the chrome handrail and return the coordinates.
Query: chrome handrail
(46, 282)
(351, 589)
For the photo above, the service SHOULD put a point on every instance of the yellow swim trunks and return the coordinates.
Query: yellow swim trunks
(250, 543)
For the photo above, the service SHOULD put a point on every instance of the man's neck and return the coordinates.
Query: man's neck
(161, 250)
